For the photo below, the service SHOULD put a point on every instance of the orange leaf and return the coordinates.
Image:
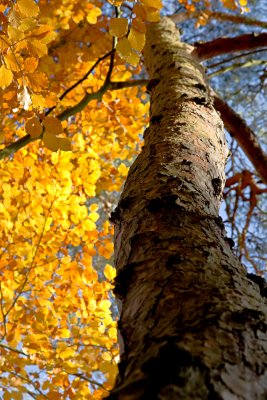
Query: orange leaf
(30, 64)
(51, 141)
(52, 125)
(33, 127)
(64, 144)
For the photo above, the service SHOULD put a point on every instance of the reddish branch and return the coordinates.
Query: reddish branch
(237, 19)
(217, 47)
(245, 137)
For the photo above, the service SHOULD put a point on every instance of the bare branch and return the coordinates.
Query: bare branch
(15, 350)
(237, 19)
(244, 136)
(217, 47)
(247, 64)
(227, 60)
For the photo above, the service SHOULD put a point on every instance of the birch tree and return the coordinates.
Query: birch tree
(193, 326)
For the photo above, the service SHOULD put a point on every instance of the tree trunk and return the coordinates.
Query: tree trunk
(192, 323)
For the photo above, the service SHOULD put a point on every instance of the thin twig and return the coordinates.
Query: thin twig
(15, 350)
(81, 80)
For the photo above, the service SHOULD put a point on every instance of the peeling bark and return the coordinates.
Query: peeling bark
(193, 325)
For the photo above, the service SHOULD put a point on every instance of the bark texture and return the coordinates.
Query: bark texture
(193, 325)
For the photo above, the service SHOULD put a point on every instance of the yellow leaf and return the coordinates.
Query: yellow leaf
(64, 144)
(133, 58)
(51, 99)
(124, 48)
(6, 77)
(38, 101)
(152, 3)
(112, 333)
(14, 18)
(9, 95)
(27, 8)
(94, 216)
(37, 48)
(30, 64)
(93, 14)
(27, 24)
(14, 33)
(152, 14)
(37, 80)
(109, 272)
(139, 25)
(51, 141)
(67, 353)
(136, 39)
(123, 170)
(88, 225)
(52, 125)
(33, 127)
(118, 27)
(64, 333)
(139, 11)
(93, 207)
(13, 62)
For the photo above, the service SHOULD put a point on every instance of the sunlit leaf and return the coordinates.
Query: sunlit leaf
(6, 77)
(124, 47)
(137, 39)
(30, 64)
(92, 15)
(38, 101)
(109, 272)
(27, 8)
(24, 98)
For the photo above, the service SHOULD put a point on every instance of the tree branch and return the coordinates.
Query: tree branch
(217, 47)
(247, 64)
(237, 19)
(227, 60)
(20, 143)
(110, 53)
(244, 136)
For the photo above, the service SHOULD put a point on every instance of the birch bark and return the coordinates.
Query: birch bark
(192, 325)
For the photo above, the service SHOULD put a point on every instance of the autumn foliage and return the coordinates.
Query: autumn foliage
(67, 134)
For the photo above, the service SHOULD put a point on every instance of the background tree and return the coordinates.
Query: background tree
(72, 111)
